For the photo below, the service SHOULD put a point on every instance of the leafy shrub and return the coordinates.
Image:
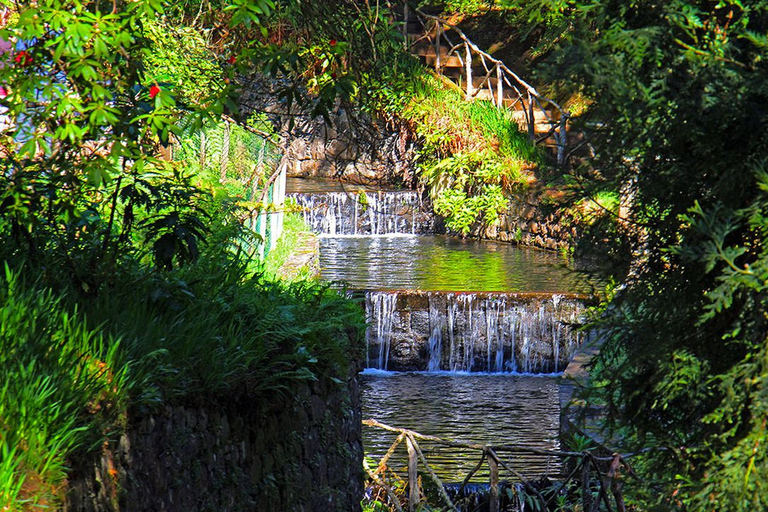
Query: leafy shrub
(75, 364)
(472, 154)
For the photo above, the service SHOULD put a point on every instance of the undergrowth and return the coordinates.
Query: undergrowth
(74, 366)
(293, 226)
(472, 154)
(63, 381)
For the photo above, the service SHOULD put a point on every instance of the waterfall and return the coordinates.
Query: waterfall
(380, 310)
(372, 213)
(436, 324)
(488, 332)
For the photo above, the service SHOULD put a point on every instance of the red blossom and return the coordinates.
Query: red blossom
(333, 75)
(154, 91)
(3, 92)
(332, 42)
(23, 58)
(232, 59)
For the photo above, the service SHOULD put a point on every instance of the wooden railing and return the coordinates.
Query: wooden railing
(599, 478)
(500, 82)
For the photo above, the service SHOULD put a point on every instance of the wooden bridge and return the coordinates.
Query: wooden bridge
(453, 55)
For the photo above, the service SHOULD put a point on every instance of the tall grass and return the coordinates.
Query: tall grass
(61, 381)
(293, 227)
(215, 324)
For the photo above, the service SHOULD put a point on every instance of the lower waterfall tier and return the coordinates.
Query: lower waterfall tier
(472, 332)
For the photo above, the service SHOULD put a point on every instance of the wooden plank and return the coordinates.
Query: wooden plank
(468, 66)
(494, 502)
(413, 476)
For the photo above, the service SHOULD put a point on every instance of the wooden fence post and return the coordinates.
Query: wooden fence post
(562, 139)
(586, 492)
(468, 66)
(493, 467)
(413, 476)
(405, 25)
(278, 203)
(499, 87)
(531, 118)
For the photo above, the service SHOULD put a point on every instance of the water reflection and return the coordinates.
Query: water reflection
(442, 263)
(487, 409)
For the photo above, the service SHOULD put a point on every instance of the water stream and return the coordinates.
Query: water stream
(465, 322)
(332, 208)
(466, 332)
(475, 408)
(442, 263)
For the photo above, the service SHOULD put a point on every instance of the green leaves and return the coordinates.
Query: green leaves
(249, 12)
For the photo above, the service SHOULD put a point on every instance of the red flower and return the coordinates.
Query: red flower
(3, 92)
(232, 59)
(333, 75)
(154, 91)
(23, 58)
(332, 42)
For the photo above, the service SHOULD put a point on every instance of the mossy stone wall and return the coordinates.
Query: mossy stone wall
(299, 453)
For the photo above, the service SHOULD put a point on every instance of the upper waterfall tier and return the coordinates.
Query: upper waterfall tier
(364, 213)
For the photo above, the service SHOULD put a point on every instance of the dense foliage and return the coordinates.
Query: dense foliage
(125, 280)
(471, 154)
(678, 124)
(124, 285)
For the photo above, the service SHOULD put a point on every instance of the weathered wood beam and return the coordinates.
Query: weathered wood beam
(413, 476)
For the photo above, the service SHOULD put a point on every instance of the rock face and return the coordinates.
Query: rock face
(353, 147)
(359, 152)
(300, 452)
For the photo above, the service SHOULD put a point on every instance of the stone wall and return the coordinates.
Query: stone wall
(527, 222)
(353, 147)
(301, 453)
(353, 150)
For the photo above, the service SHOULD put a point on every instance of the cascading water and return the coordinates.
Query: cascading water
(363, 213)
(487, 332)
(381, 312)
(436, 326)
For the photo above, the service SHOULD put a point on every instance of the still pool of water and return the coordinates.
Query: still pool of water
(442, 263)
(486, 409)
